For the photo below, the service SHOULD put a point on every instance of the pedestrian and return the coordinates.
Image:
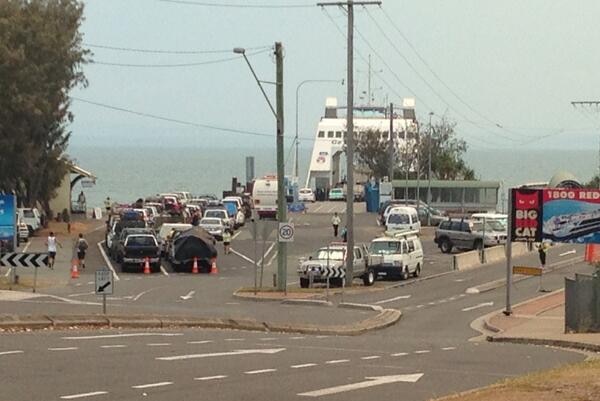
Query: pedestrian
(344, 234)
(335, 222)
(82, 246)
(52, 243)
(542, 249)
(107, 204)
(195, 219)
(226, 241)
(81, 202)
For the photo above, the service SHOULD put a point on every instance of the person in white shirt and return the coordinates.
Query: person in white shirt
(52, 243)
(335, 222)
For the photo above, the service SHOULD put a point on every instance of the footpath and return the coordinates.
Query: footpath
(539, 321)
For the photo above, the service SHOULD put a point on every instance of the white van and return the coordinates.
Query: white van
(264, 194)
(403, 218)
(501, 219)
(398, 255)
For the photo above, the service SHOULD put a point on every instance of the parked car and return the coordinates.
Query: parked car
(427, 214)
(468, 235)
(306, 195)
(116, 244)
(166, 230)
(214, 226)
(336, 194)
(138, 248)
(234, 211)
(32, 218)
(222, 214)
(22, 230)
(403, 218)
(334, 255)
(396, 255)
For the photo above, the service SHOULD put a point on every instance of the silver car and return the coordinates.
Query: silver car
(214, 226)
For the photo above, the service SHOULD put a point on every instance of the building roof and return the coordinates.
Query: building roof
(74, 169)
(446, 184)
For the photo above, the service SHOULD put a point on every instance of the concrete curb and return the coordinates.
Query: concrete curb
(545, 341)
(307, 302)
(383, 319)
(249, 296)
(349, 305)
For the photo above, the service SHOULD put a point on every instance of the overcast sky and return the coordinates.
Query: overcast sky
(517, 64)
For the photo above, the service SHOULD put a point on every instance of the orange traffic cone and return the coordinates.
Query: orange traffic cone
(74, 269)
(213, 267)
(147, 266)
(195, 266)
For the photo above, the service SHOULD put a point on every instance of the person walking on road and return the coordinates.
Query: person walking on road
(344, 234)
(226, 241)
(335, 222)
(52, 243)
(82, 246)
(107, 205)
(542, 249)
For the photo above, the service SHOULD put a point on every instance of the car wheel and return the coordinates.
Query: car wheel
(446, 246)
(404, 275)
(417, 272)
(304, 283)
(369, 278)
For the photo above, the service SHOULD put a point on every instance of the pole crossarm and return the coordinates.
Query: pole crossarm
(345, 3)
(258, 81)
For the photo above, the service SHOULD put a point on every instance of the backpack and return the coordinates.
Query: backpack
(82, 246)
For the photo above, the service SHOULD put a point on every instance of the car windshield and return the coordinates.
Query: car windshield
(215, 213)
(336, 191)
(211, 222)
(28, 213)
(489, 226)
(140, 241)
(334, 254)
(398, 219)
(384, 247)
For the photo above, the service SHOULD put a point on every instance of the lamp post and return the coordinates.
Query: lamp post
(281, 201)
(297, 106)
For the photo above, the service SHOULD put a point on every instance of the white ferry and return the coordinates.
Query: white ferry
(568, 227)
(326, 169)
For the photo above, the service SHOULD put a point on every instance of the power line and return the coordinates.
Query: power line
(157, 51)
(176, 65)
(237, 5)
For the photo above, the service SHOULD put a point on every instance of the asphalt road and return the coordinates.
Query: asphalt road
(430, 352)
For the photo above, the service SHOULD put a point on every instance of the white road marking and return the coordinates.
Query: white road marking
(297, 338)
(420, 306)
(318, 208)
(246, 258)
(81, 294)
(481, 305)
(27, 246)
(321, 336)
(150, 385)
(123, 335)
(369, 382)
(431, 303)
(11, 352)
(232, 303)
(163, 270)
(235, 235)
(83, 395)
(158, 344)
(336, 361)
(448, 348)
(256, 372)
(214, 354)
(107, 260)
(235, 339)
(272, 259)
(471, 290)
(385, 301)
(189, 295)
(90, 283)
(63, 349)
(304, 365)
(462, 295)
(367, 358)
(78, 285)
(200, 342)
(8, 272)
(571, 252)
(269, 339)
(138, 296)
(423, 351)
(441, 301)
(400, 354)
(114, 346)
(210, 378)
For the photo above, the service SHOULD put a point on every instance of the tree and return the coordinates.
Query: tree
(372, 149)
(41, 58)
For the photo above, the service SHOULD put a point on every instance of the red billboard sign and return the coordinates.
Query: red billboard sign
(526, 215)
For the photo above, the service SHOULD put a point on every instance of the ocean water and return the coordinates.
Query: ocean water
(127, 173)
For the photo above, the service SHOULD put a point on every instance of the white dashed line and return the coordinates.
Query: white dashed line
(269, 339)
(200, 342)
(210, 378)
(150, 385)
(297, 338)
(257, 372)
(304, 365)
(11, 352)
(400, 354)
(82, 395)
(158, 344)
(235, 339)
(366, 358)
(336, 361)
(114, 346)
(431, 303)
(123, 335)
(321, 336)
(232, 303)
(63, 349)
(420, 306)
(90, 283)
(424, 351)
(448, 348)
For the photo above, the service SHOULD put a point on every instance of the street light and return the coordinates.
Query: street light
(297, 93)
(281, 201)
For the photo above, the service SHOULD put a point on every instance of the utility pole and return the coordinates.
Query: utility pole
(391, 146)
(429, 169)
(369, 83)
(281, 201)
(349, 4)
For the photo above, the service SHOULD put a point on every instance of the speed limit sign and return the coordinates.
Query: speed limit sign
(286, 232)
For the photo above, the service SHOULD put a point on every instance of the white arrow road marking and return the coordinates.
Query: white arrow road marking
(214, 354)
(11, 352)
(82, 395)
(123, 335)
(188, 296)
(481, 305)
(571, 252)
(150, 385)
(385, 301)
(369, 382)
